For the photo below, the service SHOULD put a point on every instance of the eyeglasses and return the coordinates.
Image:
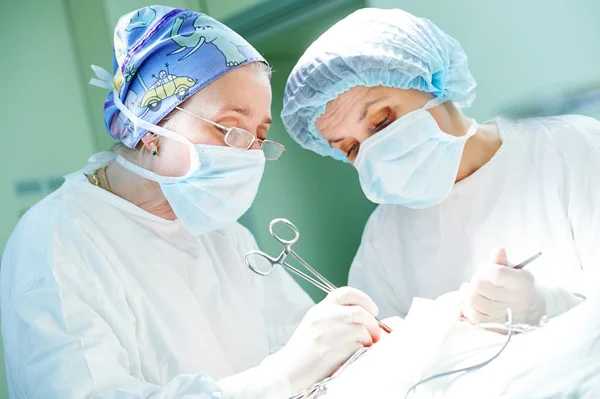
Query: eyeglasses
(243, 139)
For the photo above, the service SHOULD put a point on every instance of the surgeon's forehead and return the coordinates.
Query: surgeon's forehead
(342, 109)
(349, 109)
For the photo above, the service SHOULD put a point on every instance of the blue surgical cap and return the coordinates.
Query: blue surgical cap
(162, 56)
(372, 47)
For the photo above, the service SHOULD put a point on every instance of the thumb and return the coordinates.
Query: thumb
(499, 257)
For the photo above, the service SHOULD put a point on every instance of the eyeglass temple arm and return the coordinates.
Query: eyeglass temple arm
(226, 129)
(202, 118)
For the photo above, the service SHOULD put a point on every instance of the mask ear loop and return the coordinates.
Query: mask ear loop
(440, 100)
(434, 102)
(105, 80)
(161, 131)
(472, 129)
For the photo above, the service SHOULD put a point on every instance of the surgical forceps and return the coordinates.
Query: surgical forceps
(263, 264)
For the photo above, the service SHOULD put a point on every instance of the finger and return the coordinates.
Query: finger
(499, 257)
(484, 305)
(352, 338)
(359, 316)
(362, 335)
(502, 276)
(497, 331)
(347, 296)
(490, 291)
(474, 316)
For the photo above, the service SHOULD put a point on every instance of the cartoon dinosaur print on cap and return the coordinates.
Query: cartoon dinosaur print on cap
(141, 19)
(206, 33)
(145, 16)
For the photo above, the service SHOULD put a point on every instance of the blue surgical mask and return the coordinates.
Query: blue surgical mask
(219, 187)
(412, 162)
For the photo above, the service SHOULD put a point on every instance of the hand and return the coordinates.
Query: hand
(498, 286)
(329, 334)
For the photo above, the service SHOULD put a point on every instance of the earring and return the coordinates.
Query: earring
(153, 149)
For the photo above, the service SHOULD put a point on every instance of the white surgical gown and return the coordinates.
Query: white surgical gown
(102, 299)
(540, 192)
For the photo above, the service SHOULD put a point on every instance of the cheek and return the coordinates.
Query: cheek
(442, 119)
(212, 139)
(173, 159)
(196, 131)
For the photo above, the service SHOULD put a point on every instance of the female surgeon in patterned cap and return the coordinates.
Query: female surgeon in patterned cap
(129, 281)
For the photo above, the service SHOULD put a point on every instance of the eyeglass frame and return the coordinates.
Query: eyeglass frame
(227, 130)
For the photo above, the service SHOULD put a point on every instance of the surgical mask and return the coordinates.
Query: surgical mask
(219, 187)
(412, 162)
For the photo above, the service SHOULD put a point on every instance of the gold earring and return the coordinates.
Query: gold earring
(153, 149)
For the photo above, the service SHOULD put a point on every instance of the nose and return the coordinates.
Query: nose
(256, 144)
(361, 137)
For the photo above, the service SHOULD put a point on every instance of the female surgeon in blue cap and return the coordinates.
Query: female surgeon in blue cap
(383, 90)
(129, 281)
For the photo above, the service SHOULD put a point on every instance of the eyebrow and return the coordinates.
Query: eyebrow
(244, 111)
(235, 108)
(361, 116)
(366, 106)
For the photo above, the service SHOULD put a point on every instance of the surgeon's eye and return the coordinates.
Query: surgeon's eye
(220, 129)
(351, 149)
(383, 122)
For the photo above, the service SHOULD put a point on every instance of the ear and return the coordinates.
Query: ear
(148, 139)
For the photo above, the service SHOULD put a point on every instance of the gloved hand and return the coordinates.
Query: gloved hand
(328, 335)
(498, 286)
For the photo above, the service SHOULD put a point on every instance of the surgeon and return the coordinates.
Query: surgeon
(129, 281)
(385, 91)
